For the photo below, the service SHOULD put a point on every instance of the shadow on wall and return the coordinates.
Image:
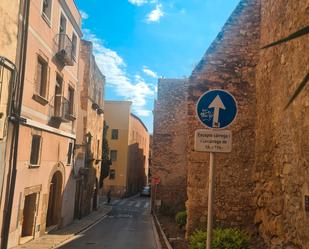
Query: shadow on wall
(86, 192)
(136, 170)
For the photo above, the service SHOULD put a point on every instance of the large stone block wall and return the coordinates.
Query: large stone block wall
(169, 143)
(282, 136)
(228, 64)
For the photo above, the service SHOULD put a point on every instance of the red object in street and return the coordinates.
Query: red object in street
(155, 180)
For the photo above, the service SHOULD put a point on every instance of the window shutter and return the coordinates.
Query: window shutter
(47, 83)
(37, 77)
(35, 149)
(70, 150)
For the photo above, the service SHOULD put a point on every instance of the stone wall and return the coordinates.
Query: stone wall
(228, 64)
(169, 143)
(282, 135)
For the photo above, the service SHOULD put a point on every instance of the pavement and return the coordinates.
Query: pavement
(59, 237)
(128, 226)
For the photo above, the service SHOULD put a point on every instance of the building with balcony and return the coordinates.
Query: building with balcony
(88, 153)
(45, 181)
(128, 141)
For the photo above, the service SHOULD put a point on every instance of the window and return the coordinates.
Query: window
(114, 134)
(74, 46)
(98, 149)
(42, 77)
(46, 10)
(62, 32)
(114, 155)
(35, 150)
(70, 152)
(71, 100)
(112, 174)
(100, 97)
(63, 24)
(58, 96)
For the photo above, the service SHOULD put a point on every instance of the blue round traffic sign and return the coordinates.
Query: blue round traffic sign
(216, 109)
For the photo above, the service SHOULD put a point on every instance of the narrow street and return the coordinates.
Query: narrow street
(127, 226)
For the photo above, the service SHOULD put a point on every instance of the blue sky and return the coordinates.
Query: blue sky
(137, 41)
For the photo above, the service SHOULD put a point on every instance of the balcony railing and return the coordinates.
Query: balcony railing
(65, 50)
(63, 110)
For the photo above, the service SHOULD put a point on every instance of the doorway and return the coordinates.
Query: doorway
(29, 215)
(95, 196)
(78, 199)
(54, 202)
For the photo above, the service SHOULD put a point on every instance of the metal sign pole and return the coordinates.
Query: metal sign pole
(215, 109)
(210, 198)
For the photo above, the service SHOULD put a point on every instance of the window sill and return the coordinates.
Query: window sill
(33, 166)
(46, 19)
(40, 99)
(70, 117)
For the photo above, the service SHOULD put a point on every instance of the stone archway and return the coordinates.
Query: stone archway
(55, 197)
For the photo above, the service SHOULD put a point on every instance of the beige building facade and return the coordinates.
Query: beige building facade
(45, 184)
(90, 118)
(128, 141)
(9, 26)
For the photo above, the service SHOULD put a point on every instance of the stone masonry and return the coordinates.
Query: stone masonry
(169, 143)
(262, 186)
(282, 135)
(228, 64)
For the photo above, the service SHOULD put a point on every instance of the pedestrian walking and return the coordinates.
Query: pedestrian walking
(109, 192)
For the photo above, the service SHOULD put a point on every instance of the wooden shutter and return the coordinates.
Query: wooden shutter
(47, 82)
(70, 150)
(38, 77)
(35, 149)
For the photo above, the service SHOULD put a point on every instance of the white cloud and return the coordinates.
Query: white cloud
(156, 14)
(156, 89)
(182, 11)
(138, 2)
(114, 68)
(84, 14)
(149, 72)
(143, 113)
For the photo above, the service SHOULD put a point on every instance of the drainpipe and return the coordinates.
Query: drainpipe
(15, 119)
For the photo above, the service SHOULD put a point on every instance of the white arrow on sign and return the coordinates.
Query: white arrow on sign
(217, 105)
